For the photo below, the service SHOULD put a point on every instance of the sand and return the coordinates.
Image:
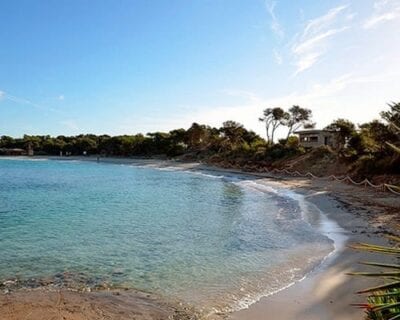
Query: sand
(44, 304)
(327, 293)
(362, 215)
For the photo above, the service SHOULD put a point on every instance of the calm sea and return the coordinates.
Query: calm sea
(211, 239)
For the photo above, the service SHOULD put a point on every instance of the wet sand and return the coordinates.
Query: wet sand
(44, 304)
(327, 293)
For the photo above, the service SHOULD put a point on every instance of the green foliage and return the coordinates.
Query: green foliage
(344, 129)
(293, 142)
(297, 117)
(393, 114)
(373, 147)
(293, 119)
(273, 118)
(281, 151)
(383, 301)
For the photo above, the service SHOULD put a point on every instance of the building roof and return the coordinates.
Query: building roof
(313, 131)
(12, 149)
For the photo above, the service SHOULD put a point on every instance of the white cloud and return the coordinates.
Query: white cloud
(61, 97)
(309, 44)
(275, 25)
(319, 24)
(312, 44)
(337, 97)
(384, 11)
(1, 94)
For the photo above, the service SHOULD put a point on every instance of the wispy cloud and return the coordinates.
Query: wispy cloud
(384, 11)
(275, 25)
(328, 100)
(23, 101)
(312, 43)
(61, 97)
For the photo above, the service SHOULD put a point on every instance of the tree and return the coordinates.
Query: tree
(196, 135)
(298, 117)
(376, 133)
(344, 129)
(393, 115)
(273, 118)
(7, 142)
(233, 133)
(395, 148)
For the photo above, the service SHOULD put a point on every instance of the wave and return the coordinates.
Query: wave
(326, 227)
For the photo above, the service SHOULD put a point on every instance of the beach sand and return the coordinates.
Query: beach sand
(363, 215)
(44, 304)
(326, 293)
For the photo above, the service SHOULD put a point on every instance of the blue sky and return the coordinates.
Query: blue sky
(128, 66)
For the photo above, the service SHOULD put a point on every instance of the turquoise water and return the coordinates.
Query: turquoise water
(214, 240)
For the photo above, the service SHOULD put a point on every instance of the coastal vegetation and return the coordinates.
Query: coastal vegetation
(365, 150)
(383, 302)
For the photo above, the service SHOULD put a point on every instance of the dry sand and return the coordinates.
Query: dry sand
(326, 293)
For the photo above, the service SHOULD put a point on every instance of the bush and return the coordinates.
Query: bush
(369, 165)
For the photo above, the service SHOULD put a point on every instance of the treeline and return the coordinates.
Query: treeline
(232, 136)
(369, 146)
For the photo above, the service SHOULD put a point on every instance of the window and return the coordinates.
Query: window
(314, 139)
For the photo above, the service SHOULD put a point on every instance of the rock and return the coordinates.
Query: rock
(9, 283)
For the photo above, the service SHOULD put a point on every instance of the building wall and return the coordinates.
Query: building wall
(315, 140)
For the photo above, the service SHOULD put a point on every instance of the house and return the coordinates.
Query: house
(315, 138)
(17, 151)
(13, 152)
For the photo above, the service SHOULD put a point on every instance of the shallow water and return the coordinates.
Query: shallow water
(219, 242)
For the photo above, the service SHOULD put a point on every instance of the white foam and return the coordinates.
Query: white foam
(327, 227)
(260, 187)
(208, 175)
(22, 158)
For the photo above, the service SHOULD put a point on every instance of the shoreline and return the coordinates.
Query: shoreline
(325, 292)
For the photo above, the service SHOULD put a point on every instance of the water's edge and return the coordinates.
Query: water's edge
(327, 227)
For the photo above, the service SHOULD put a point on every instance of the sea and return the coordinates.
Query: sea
(216, 240)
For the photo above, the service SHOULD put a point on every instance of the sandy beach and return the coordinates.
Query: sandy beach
(361, 215)
(327, 292)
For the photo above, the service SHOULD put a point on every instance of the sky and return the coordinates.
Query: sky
(128, 66)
